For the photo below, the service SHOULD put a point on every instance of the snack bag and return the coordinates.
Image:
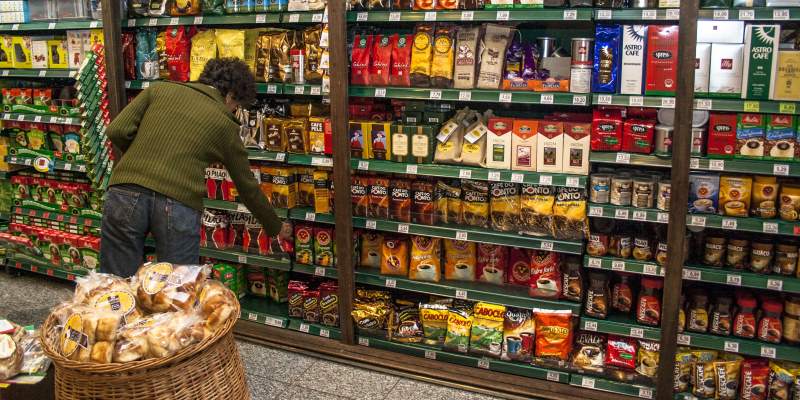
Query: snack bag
(107, 292)
(11, 356)
(434, 323)
(553, 334)
(459, 324)
(87, 334)
(486, 335)
(204, 48)
(426, 255)
(518, 333)
(164, 287)
(459, 260)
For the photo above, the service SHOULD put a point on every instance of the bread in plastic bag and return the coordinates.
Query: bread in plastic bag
(88, 334)
(166, 338)
(216, 304)
(162, 287)
(10, 357)
(107, 292)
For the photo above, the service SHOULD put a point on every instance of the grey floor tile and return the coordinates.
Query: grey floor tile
(301, 393)
(265, 389)
(347, 381)
(272, 363)
(409, 389)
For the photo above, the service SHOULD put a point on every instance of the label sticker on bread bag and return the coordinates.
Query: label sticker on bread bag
(72, 335)
(120, 302)
(155, 277)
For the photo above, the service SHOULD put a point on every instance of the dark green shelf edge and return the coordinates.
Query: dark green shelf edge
(310, 160)
(711, 104)
(624, 265)
(507, 14)
(314, 329)
(42, 267)
(263, 155)
(788, 284)
(452, 171)
(37, 73)
(300, 213)
(477, 291)
(759, 14)
(622, 326)
(261, 88)
(633, 213)
(474, 235)
(745, 346)
(324, 272)
(744, 224)
(645, 160)
(43, 118)
(246, 258)
(650, 14)
(264, 311)
(44, 26)
(260, 18)
(476, 95)
(308, 214)
(607, 385)
(59, 165)
(761, 167)
(434, 353)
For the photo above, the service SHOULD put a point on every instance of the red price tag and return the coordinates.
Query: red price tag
(32, 213)
(70, 277)
(18, 265)
(73, 220)
(87, 222)
(46, 215)
(60, 217)
(49, 272)
(797, 230)
(34, 268)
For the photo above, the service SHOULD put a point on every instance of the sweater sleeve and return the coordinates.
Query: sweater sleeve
(238, 166)
(124, 127)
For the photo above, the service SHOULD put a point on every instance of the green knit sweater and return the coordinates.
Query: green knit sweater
(170, 133)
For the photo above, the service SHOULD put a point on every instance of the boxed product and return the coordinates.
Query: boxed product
(550, 146)
(576, 147)
(523, 145)
(720, 31)
(39, 52)
(57, 54)
(498, 143)
(21, 53)
(6, 49)
(662, 60)
(787, 80)
(760, 60)
(703, 193)
(726, 70)
(633, 56)
(721, 135)
(750, 136)
(75, 49)
(702, 64)
(781, 138)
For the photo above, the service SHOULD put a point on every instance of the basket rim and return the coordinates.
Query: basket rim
(133, 366)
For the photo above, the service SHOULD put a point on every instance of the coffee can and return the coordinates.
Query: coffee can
(298, 57)
(621, 191)
(698, 141)
(547, 46)
(663, 140)
(599, 186)
(642, 4)
(663, 195)
(580, 79)
(582, 51)
(642, 193)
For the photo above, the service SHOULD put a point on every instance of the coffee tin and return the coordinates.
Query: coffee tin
(642, 193)
(580, 79)
(599, 186)
(663, 195)
(547, 46)
(698, 141)
(663, 140)
(582, 51)
(621, 191)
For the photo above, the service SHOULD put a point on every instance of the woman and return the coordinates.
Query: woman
(167, 136)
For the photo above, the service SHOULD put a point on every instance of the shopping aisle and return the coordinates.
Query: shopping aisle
(272, 373)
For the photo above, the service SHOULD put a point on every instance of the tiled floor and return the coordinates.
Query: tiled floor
(271, 373)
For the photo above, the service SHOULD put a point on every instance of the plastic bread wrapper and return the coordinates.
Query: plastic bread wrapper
(86, 334)
(107, 292)
(163, 287)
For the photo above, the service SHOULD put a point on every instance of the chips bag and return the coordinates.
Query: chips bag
(553, 334)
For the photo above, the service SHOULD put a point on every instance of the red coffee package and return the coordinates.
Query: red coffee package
(621, 352)
(359, 65)
(519, 270)
(401, 60)
(545, 274)
(721, 135)
(637, 136)
(129, 55)
(492, 261)
(381, 57)
(755, 377)
(178, 48)
(295, 295)
(215, 231)
(607, 130)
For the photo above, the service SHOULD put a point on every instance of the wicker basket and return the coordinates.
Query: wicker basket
(211, 369)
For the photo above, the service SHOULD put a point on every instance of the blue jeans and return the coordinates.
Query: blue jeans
(131, 212)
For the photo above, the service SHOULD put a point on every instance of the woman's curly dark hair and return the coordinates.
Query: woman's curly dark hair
(230, 75)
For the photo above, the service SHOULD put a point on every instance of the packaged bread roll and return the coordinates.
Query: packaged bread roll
(162, 287)
(217, 304)
(107, 292)
(10, 357)
(87, 334)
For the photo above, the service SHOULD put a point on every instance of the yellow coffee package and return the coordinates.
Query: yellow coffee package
(460, 259)
(230, 43)
(536, 209)
(765, 197)
(273, 136)
(296, 130)
(504, 206)
(705, 384)
(313, 65)
(263, 63)
(682, 374)
(475, 203)
(161, 49)
(734, 195)
(204, 48)
(434, 323)
(569, 214)
(459, 324)
(450, 139)
(394, 256)
(284, 188)
(371, 248)
(448, 203)
(473, 148)
(486, 335)
(280, 61)
(789, 208)
(305, 186)
(421, 56)
(316, 135)
(443, 55)
(426, 259)
(251, 46)
(726, 372)
(647, 358)
(322, 193)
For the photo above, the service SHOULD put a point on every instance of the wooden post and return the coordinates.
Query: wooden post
(115, 74)
(337, 31)
(676, 236)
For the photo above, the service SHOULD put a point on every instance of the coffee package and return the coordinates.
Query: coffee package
(498, 143)
(761, 44)
(545, 274)
(787, 79)
(496, 39)
(576, 147)
(426, 255)
(443, 56)
(360, 60)
(400, 68)
(450, 139)
(473, 148)
(725, 73)
(486, 337)
(460, 260)
(750, 136)
(662, 60)
(633, 57)
(702, 67)
(381, 60)
(523, 145)
(780, 137)
(422, 55)
(607, 129)
(465, 58)
(518, 334)
(721, 135)
(550, 147)
(492, 261)
(607, 57)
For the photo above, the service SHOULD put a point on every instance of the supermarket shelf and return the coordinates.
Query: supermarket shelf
(734, 105)
(452, 171)
(303, 17)
(628, 213)
(623, 265)
(645, 160)
(264, 312)
(745, 224)
(659, 14)
(621, 325)
(59, 165)
(308, 214)
(788, 284)
(238, 207)
(49, 119)
(746, 347)
(514, 296)
(307, 159)
(37, 73)
(477, 95)
(269, 88)
(632, 100)
(246, 258)
(43, 267)
(434, 353)
(761, 167)
(471, 234)
(263, 155)
(57, 216)
(302, 89)
(540, 14)
(751, 14)
(44, 26)
(262, 88)
(607, 385)
(233, 19)
(325, 331)
(324, 272)
(302, 213)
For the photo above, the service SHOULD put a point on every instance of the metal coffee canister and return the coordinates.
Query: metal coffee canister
(621, 190)
(580, 78)
(643, 193)
(643, 4)
(663, 139)
(698, 141)
(663, 195)
(547, 46)
(599, 187)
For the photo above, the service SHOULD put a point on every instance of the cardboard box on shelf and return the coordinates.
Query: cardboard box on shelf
(787, 79)
(633, 56)
(662, 60)
(725, 77)
(21, 52)
(760, 61)
(702, 66)
(720, 31)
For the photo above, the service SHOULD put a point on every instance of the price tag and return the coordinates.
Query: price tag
(430, 16)
(604, 99)
(465, 173)
(649, 14)
(734, 280)
(6, 72)
(546, 99)
(570, 15)
(280, 157)
(694, 163)
(325, 332)
(272, 89)
(318, 18)
(590, 326)
(504, 97)
(578, 100)
(650, 269)
(173, 21)
(316, 90)
(380, 92)
(621, 213)
(362, 341)
(131, 23)
(411, 169)
(623, 158)
(402, 228)
(20, 117)
(704, 104)
(685, 340)
(299, 89)
(545, 180)
(553, 376)
(94, 24)
(461, 294)
(786, 108)
(461, 235)
(42, 74)
(241, 208)
(70, 277)
(304, 328)
(33, 267)
(296, 17)
(360, 17)
(617, 265)
(720, 14)
(197, 21)
(780, 169)
(780, 15)
(673, 14)
(752, 106)
(595, 211)
(319, 271)
(775, 284)
(728, 223)
(252, 316)
(769, 227)
(272, 321)
(501, 16)
(15, 27)
(435, 94)
(646, 393)
(587, 382)
(494, 175)
(636, 101)
(746, 15)
(372, 224)
(667, 102)
(464, 95)
(636, 333)
(546, 245)
(692, 274)
(241, 259)
(595, 262)
(639, 215)
(573, 181)
(152, 22)
(322, 161)
(261, 18)
(732, 347)
(37, 118)
(430, 354)
(145, 85)
(603, 14)
(697, 220)
(390, 283)
(363, 165)
(483, 363)
(767, 352)
(467, 15)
